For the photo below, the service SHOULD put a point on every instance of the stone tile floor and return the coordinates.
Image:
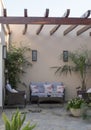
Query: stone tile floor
(49, 117)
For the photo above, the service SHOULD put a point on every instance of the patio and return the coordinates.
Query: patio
(50, 117)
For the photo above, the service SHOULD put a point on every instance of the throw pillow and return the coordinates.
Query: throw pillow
(89, 90)
(34, 89)
(14, 91)
(48, 88)
(60, 88)
(8, 87)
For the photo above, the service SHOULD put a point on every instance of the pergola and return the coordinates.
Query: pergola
(26, 20)
(57, 21)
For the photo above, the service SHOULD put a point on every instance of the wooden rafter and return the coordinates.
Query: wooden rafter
(69, 29)
(66, 14)
(40, 28)
(26, 26)
(83, 29)
(7, 25)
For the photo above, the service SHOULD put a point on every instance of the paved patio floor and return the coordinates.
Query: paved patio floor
(49, 117)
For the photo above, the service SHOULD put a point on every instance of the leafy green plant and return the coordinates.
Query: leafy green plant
(15, 63)
(75, 103)
(79, 61)
(16, 122)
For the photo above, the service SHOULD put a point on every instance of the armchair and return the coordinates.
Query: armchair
(14, 97)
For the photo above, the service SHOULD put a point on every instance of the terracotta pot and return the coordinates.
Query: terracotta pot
(76, 112)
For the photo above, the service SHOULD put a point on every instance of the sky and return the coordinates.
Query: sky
(38, 7)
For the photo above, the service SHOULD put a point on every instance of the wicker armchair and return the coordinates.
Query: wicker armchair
(17, 98)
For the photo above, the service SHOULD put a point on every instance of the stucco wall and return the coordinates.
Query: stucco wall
(49, 49)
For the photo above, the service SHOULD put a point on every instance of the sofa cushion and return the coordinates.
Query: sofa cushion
(34, 89)
(40, 86)
(39, 94)
(58, 94)
(48, 88)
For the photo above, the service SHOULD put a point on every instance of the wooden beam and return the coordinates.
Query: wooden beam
(83, 29)
(66, 14)
(69, 29)
(26, 26)
(40, 28)
(5, 15)
(47, 21)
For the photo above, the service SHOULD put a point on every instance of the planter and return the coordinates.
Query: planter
(76, 112)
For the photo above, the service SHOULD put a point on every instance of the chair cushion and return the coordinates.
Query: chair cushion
(14, 91)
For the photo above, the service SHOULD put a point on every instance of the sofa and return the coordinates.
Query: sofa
(47, 91)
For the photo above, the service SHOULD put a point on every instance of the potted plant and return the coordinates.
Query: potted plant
(79, 61)
(75, 106)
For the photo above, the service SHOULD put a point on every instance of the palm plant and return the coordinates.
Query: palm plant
(16, 62)
(79, 61)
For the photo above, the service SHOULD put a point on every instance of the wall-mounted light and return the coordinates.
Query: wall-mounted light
(34, 55)
(4, 53)
(65, 56)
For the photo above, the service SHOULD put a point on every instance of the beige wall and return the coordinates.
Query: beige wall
(49, 49)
